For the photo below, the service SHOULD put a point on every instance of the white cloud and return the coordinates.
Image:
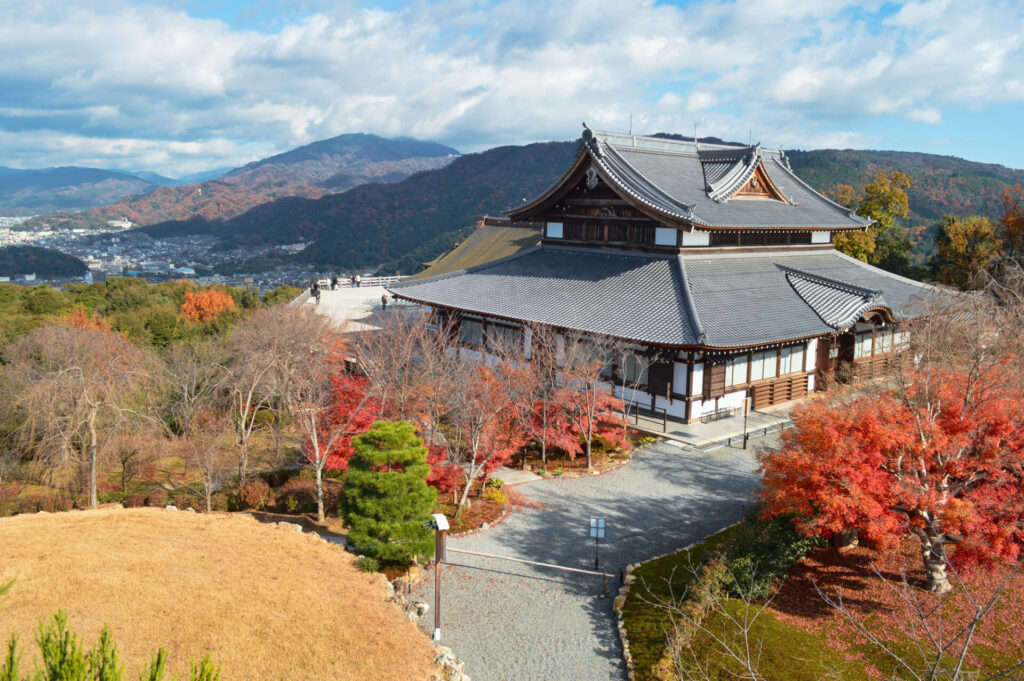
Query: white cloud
(116, 83)
(929, 115)
(700, 100)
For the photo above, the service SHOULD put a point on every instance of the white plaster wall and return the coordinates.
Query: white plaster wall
(810, 383)
(727, 401)
(698, 379)
(554, 230)
(677, 408)
(697, 238)
(679, 378)
(633, 397)
(811, 355)
(528, 342)
(820, 237)
(664, 236)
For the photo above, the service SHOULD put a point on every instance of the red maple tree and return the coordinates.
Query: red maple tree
(444, 476)
(941, 461)
(487, 430)
(352, 412)
(592, 410)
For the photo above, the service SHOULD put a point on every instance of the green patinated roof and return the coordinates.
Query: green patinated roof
(488, 242)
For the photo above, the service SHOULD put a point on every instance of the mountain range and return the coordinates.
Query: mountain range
(398, 226)
(365, 201)
(323, 167)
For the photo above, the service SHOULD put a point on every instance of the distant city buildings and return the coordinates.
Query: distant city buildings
(123, 223)
(8, 222)
(125, 252)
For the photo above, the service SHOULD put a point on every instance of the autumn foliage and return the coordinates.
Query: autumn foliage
(352, 410)
(202, 306)
(80, 319)
(943, 463)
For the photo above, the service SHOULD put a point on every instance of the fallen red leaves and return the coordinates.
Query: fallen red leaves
(851, 573)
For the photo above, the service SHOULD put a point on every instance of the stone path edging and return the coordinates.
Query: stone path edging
(620, 599)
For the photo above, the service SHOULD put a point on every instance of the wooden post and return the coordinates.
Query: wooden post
(439, 537)
(746, 410)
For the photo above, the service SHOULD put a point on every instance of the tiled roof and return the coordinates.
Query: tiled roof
(699, 299)
(631, 296)
(693, 183)
(486, 243)
(749, 299)
(838, 304)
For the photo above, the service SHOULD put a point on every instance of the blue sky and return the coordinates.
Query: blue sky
(179, 86)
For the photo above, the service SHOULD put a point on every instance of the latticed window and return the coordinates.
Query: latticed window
(634, 370)
(501, 337)
(641, 234)
(472, 332)
(863, 346)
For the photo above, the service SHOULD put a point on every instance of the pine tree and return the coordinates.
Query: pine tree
(387, 499)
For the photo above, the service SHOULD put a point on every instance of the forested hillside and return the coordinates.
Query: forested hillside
(403, 224)
(942, 185)
(341, 163)
(324, 167)
(212, 199)
(45, 263)
(380, 223)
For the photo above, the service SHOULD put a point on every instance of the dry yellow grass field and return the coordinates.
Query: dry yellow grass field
(266, 602)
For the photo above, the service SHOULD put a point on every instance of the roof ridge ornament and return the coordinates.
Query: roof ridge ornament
(589, 141)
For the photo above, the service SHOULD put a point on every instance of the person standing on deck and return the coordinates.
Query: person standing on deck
(384, 301)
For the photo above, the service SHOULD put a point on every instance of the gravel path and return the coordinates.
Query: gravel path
(514, 622)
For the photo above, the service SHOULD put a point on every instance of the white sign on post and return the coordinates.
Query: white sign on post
(597, 528)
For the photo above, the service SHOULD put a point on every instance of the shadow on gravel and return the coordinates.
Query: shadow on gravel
(673, 504)
(663, 500)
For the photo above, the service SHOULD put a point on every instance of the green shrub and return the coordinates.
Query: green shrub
(762, 553)
(387, 499)
(495, 483)
(112, 497)
(64, 658)
(367, 564)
